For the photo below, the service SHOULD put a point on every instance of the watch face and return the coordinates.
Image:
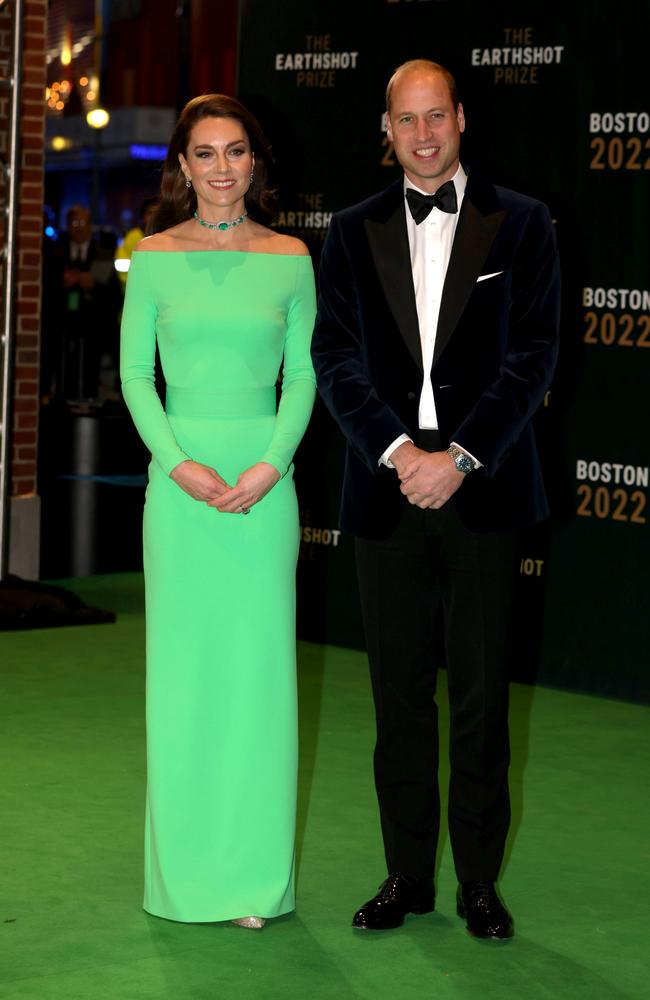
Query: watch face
(464, 464)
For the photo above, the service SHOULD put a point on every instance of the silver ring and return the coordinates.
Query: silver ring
(245, 510)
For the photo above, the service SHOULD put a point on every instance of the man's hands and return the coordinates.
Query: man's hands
(73, 276)
(205, 484)
(428, 479)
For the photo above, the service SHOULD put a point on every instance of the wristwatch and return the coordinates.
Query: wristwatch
(462, 461)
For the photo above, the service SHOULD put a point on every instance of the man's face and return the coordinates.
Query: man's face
(79, 225)
(424, 128)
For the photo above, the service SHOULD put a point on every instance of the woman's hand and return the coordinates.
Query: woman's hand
(251, 486)
(199, 481)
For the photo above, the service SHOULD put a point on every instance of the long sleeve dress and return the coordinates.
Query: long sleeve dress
(220, 588)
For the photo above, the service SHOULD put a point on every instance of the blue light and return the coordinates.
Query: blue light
(139, 152)
(50, 232)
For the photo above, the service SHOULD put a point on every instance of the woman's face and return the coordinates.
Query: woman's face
(218, 162)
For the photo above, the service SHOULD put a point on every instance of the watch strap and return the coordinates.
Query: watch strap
(461, 459)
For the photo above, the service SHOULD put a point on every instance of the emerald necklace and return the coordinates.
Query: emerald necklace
(221, 225)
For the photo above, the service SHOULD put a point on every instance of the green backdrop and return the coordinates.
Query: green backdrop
(556, 101)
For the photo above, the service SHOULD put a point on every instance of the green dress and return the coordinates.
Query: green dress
(220, 588)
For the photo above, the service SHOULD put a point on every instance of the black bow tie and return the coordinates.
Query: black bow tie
(421, 204)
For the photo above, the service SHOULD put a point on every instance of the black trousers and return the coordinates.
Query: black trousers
(432, 563)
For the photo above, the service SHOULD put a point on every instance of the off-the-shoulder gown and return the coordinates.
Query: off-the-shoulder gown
(220, 588)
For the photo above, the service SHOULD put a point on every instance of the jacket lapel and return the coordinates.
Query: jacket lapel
(389, 246)
(478, 224)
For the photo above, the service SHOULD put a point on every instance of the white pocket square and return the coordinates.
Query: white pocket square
(484, 277)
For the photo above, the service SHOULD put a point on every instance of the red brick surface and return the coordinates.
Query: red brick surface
(29, 232)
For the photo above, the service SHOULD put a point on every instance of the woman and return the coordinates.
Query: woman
(228, 302)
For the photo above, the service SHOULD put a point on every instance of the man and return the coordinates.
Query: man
(435, 342)
(82, 318)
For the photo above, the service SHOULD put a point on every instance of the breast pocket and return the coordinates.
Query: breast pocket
(489, 301)
(492, 289)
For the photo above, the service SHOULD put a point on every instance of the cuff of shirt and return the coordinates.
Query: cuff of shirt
(384, 459)
(477, 464)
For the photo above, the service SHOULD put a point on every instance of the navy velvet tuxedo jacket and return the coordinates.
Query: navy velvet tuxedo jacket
(495, 351)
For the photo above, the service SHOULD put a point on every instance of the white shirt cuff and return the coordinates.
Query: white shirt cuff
(384, 459)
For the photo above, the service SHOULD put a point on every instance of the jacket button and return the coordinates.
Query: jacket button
(411, 395)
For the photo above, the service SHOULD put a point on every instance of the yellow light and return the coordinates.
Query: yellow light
(83, 81)
(52, 102)
(98, 118)
(66, 54)
(90, 95)
(59, 105)
(56, 85)
(65, 86)
(47, 93)
(59, 142)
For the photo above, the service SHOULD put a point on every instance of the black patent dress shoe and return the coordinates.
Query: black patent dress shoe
(397, 896)
(483, 911)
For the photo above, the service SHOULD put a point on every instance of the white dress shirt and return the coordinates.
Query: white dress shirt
(79, 251)
(430, 245)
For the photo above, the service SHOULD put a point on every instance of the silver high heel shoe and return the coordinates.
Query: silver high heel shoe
(253, 923)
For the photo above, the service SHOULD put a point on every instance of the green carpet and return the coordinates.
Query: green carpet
(71, 926)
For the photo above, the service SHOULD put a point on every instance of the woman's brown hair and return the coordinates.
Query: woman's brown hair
(177, 201)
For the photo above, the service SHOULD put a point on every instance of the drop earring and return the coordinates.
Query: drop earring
(188, 182)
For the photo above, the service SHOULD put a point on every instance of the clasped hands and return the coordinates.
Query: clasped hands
(73, 276)
(206, 485)
(427, 478)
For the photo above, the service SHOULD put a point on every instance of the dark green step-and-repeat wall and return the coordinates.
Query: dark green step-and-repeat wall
(557, 103)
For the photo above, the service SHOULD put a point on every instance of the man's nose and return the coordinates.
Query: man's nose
(423, 130)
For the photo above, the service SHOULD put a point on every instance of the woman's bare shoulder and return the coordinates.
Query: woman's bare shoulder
(159, 242)
(268, 241)
(166, 241)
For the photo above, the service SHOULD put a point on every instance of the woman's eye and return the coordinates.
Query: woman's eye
(237, 152)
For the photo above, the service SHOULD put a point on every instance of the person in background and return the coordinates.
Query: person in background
(81, 323)
(132, 238)
(435, 343)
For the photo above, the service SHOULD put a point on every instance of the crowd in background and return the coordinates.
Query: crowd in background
(85, 270)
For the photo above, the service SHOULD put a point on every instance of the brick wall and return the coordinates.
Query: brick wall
(29, 232)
